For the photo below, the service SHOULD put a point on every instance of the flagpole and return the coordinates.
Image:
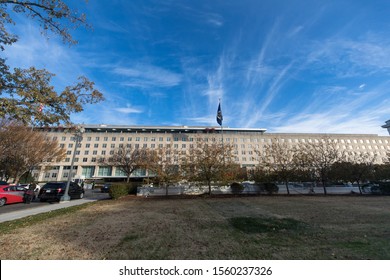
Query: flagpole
(219, 120)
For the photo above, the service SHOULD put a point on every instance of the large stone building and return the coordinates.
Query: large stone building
(100, 141)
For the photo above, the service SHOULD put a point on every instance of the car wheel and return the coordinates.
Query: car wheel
(2, 202)
(81, 195)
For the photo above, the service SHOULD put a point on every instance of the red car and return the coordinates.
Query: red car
(11, 194)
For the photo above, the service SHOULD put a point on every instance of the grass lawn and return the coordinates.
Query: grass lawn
(261, 227)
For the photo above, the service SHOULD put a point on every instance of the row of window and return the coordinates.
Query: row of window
(89, 172)
(227, 139)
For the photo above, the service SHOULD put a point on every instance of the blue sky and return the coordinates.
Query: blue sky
(287, 66)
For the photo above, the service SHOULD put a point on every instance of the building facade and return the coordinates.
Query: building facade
(100, 141)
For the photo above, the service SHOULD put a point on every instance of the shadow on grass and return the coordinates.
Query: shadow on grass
(264, 225)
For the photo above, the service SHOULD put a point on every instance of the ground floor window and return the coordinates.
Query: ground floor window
(88, 171)
(105, 171)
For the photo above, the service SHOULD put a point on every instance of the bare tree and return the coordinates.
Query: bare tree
(277, 158)
(22, 149)
(130, 159)
(358, 168)
(318, 156)
(208, 162)
(166, 166)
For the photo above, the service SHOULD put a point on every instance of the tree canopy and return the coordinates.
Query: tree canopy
(27, 95)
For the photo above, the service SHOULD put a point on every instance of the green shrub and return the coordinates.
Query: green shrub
(236, 188)
(271, 188)
(118, 190)
(384, 188)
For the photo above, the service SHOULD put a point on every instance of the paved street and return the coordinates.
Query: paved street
(20, 210)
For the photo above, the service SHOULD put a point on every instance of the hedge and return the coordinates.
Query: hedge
(118, 190)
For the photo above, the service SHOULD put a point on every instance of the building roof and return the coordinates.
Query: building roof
(159, 129)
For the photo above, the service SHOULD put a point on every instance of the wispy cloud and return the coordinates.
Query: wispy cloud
(128, 110)
(351, 58)
(147, 76)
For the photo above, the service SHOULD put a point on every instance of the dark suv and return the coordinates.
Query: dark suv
(55, 190)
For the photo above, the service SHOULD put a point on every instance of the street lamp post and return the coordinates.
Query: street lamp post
(78, 138)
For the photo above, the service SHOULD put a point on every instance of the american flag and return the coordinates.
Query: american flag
(219, 115)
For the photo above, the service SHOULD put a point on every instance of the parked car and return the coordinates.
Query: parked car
(53, 191)
(105, 188)
(11, 194)
(371, 188)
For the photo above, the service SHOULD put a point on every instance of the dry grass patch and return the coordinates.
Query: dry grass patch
(263, 227)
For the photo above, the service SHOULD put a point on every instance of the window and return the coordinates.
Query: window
(112, 146)
(129, 138)
(97, 138)
(104, 145)
(105, 171)
(122, 139)
(137, 138)
(62, 146)
(103, 153)
(85, 159)
(105, 139)
(87, 145)
(96, 145)
(88, 171)
(94, 153)
(113, 139)
(68, 152)
(146, 139)
(86, 153)
(63, 138)
(70, 145)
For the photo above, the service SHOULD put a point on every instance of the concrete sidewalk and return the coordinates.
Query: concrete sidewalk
(43, 209)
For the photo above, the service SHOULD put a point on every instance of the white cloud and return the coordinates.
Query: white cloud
(147, 76)
(128, 110)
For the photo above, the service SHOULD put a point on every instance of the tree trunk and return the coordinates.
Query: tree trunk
(324, 187)
(288, 190)
(360, 188)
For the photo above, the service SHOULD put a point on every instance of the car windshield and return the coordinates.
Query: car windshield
(54, 186)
